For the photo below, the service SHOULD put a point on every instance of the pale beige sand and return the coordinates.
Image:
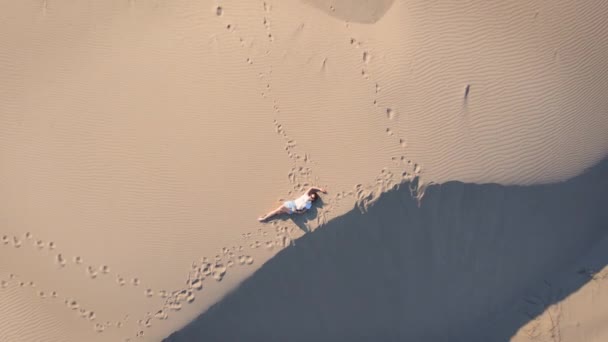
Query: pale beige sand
(582, 315)
(475, 262)
(144, 136)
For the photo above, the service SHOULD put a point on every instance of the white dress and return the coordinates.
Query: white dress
(302, 202)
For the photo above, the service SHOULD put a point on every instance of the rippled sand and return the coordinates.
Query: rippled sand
(139, 141)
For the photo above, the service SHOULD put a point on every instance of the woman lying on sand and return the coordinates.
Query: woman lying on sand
(299, 205)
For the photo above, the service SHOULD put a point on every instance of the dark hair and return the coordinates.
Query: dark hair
(315, 196)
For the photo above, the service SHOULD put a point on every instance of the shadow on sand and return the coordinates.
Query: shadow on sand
(302, 220)
(472, 263)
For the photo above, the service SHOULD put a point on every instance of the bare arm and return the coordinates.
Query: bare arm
(313, 190)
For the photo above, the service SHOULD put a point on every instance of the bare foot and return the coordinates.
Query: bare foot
(261, 218)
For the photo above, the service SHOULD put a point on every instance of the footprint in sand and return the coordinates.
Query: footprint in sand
(181, 295)
(219, 273)
(366, 57)
(60, 260)
(145, 322)
(269, 245)
(104, 269)
(205, 269)
(72, 304)
(190, 297)
(91, 272)
(83, 313)
(197, 284)
(161, 315)
(174, 305)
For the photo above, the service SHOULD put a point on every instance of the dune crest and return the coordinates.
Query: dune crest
(358, 11)
(140, 140)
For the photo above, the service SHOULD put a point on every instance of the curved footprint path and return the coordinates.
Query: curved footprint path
(203, 270)
(214, 268)
(302, 175)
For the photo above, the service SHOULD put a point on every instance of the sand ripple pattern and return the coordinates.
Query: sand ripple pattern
(502, 92)
(124, 128)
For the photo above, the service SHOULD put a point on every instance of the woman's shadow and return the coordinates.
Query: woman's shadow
(301, 220)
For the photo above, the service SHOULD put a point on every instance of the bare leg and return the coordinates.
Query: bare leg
(277, 211)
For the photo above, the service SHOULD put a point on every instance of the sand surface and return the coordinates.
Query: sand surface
(140, 140)
(473, 263)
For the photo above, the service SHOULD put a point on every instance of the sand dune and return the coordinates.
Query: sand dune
(359, 11)
(473, 263)
(140, 140)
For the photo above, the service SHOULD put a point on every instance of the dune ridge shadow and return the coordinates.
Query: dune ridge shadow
(472, 263)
